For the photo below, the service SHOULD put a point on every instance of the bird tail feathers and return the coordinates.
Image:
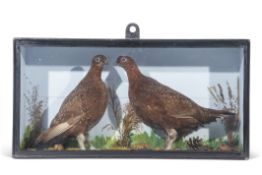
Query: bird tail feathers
(57, 130)
(220, 113)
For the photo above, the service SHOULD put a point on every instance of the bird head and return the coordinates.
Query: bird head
(125, 62)
(99, 60)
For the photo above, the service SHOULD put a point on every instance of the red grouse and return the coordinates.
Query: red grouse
(161, 107)
(81, 109)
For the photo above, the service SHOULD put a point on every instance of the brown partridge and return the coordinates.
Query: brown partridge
(161, 107)
(81, 110)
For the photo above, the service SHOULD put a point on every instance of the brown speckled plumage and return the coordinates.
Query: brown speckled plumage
(82, 108)
(161, 107)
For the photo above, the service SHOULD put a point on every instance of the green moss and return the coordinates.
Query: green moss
(71, 143)
(101, 142)
(180, 145)
(213, 144)
(151, 141)
(25, 138)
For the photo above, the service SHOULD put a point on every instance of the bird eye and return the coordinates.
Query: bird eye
(123, 59)
(97, 59)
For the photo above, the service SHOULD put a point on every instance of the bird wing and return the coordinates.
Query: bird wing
(58, 130)
(172, 104)
(174, 101)
(71, 106)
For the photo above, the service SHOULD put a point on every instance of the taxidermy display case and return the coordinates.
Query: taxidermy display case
(131, 98)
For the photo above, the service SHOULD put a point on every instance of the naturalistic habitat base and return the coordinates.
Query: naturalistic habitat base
(129, 134)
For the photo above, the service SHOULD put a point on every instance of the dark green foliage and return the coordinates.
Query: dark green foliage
(180, 145)
(70, 143)
(213, 144)
(236, 139)
(26, 138)
(100, 142)
(34, 107)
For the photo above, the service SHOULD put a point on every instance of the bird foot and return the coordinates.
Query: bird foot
(58, 147)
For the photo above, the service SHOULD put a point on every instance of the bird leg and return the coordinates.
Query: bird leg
(170, 138)
(81, 141)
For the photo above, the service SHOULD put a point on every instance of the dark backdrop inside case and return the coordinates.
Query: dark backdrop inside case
(57, 70)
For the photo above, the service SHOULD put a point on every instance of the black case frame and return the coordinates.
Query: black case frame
(17, 153)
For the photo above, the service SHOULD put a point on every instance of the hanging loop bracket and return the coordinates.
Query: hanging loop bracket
(132, 31)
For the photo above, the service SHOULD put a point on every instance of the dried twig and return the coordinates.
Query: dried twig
(221, 93)
(130, 123)
(230, 103)
(124, 124)
(34, 108)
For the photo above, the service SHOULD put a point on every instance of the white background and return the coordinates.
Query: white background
(107, 19)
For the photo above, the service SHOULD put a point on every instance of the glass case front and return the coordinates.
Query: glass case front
(176, 98)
